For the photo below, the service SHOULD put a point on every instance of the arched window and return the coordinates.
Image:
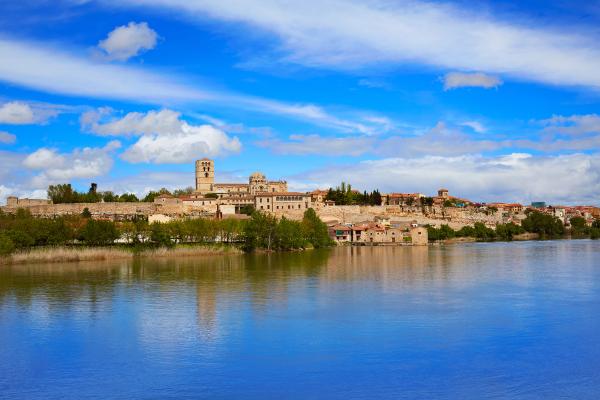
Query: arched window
(206, 174)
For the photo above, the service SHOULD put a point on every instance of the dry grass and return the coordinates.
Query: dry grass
(74, 254)
(67, 254)
(189, 251)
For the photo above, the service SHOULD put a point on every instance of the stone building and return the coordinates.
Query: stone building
(282, 202)
(257, 183)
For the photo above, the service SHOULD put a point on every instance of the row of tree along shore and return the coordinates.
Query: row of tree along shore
(544, 226)
(21, 231)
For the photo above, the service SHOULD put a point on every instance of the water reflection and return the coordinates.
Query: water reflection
(417, 316)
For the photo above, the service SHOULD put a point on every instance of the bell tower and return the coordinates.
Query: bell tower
(205, 175)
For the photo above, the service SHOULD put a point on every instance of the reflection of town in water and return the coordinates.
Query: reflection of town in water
(207, 295)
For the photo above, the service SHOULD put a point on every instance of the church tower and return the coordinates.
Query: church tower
(205, 175)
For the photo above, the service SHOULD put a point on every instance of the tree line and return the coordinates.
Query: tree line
(546, 226)
(22, 231)
(345, 195)
(64, 193)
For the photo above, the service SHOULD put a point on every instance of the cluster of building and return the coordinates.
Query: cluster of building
(382, 231)
(399, 219)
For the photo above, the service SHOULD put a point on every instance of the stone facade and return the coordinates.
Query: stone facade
(283, 203)
(13, 201)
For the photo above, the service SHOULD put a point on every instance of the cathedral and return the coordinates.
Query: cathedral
(257, 183)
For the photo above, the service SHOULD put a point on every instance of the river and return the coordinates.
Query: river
(469, 321)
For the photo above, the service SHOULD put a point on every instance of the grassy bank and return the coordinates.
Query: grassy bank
(76, 254)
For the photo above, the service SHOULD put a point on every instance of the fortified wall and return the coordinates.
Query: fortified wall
(456, 218)
(114, 211)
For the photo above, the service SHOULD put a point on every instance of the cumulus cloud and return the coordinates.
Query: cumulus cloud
(518, 177)
(7, 138)
(128, 41)
(16, 113)
(163, 136)
(455, 80)
(88, 162)
(428, 33)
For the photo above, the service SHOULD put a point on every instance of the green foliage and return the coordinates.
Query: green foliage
(6, 245)
(595, 233)
(152, 195)
(99, 233)
(478, 231)
(128, 198)
(86, 213)
(64, 193)
(247, 209)
(161, 235)
(543, 224)
(259, 232)
(508, 231)
(183, 192)
(315, 231)
(211, 196)
(426, 201)
(344, 195)
(579, 227)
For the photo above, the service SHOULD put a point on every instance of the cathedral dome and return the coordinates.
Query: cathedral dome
(257, 176)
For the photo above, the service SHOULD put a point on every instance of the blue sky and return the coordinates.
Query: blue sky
(495, 100)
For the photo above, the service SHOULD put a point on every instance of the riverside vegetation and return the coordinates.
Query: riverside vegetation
(76, 236)
(544, 225)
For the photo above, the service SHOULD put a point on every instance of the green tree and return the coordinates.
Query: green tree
(86, 213)
(62, 193)
(315, 231)
(161, 236)
(543, 224)
(99, 232)
(6, 245)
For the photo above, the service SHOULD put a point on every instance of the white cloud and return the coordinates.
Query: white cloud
(56, 167)
(16, 113)
(340, 34)
(475, 125)
(128, 41)
(573, 125)
(516, 177)
(455, 80)
(65, 73)
(7, 138)
(165, 137)
(68, 74)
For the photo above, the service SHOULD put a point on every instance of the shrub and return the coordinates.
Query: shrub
(6, 245)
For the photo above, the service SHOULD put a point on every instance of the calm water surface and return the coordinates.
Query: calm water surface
(474, 321)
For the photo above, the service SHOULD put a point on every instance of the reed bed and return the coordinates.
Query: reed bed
(189, 251)
(67, 254)
(76, 254)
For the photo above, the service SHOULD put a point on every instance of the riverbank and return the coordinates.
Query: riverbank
(76, 254)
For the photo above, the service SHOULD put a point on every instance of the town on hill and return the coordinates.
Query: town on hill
(352, 216)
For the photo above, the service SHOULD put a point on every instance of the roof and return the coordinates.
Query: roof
(341, 228)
